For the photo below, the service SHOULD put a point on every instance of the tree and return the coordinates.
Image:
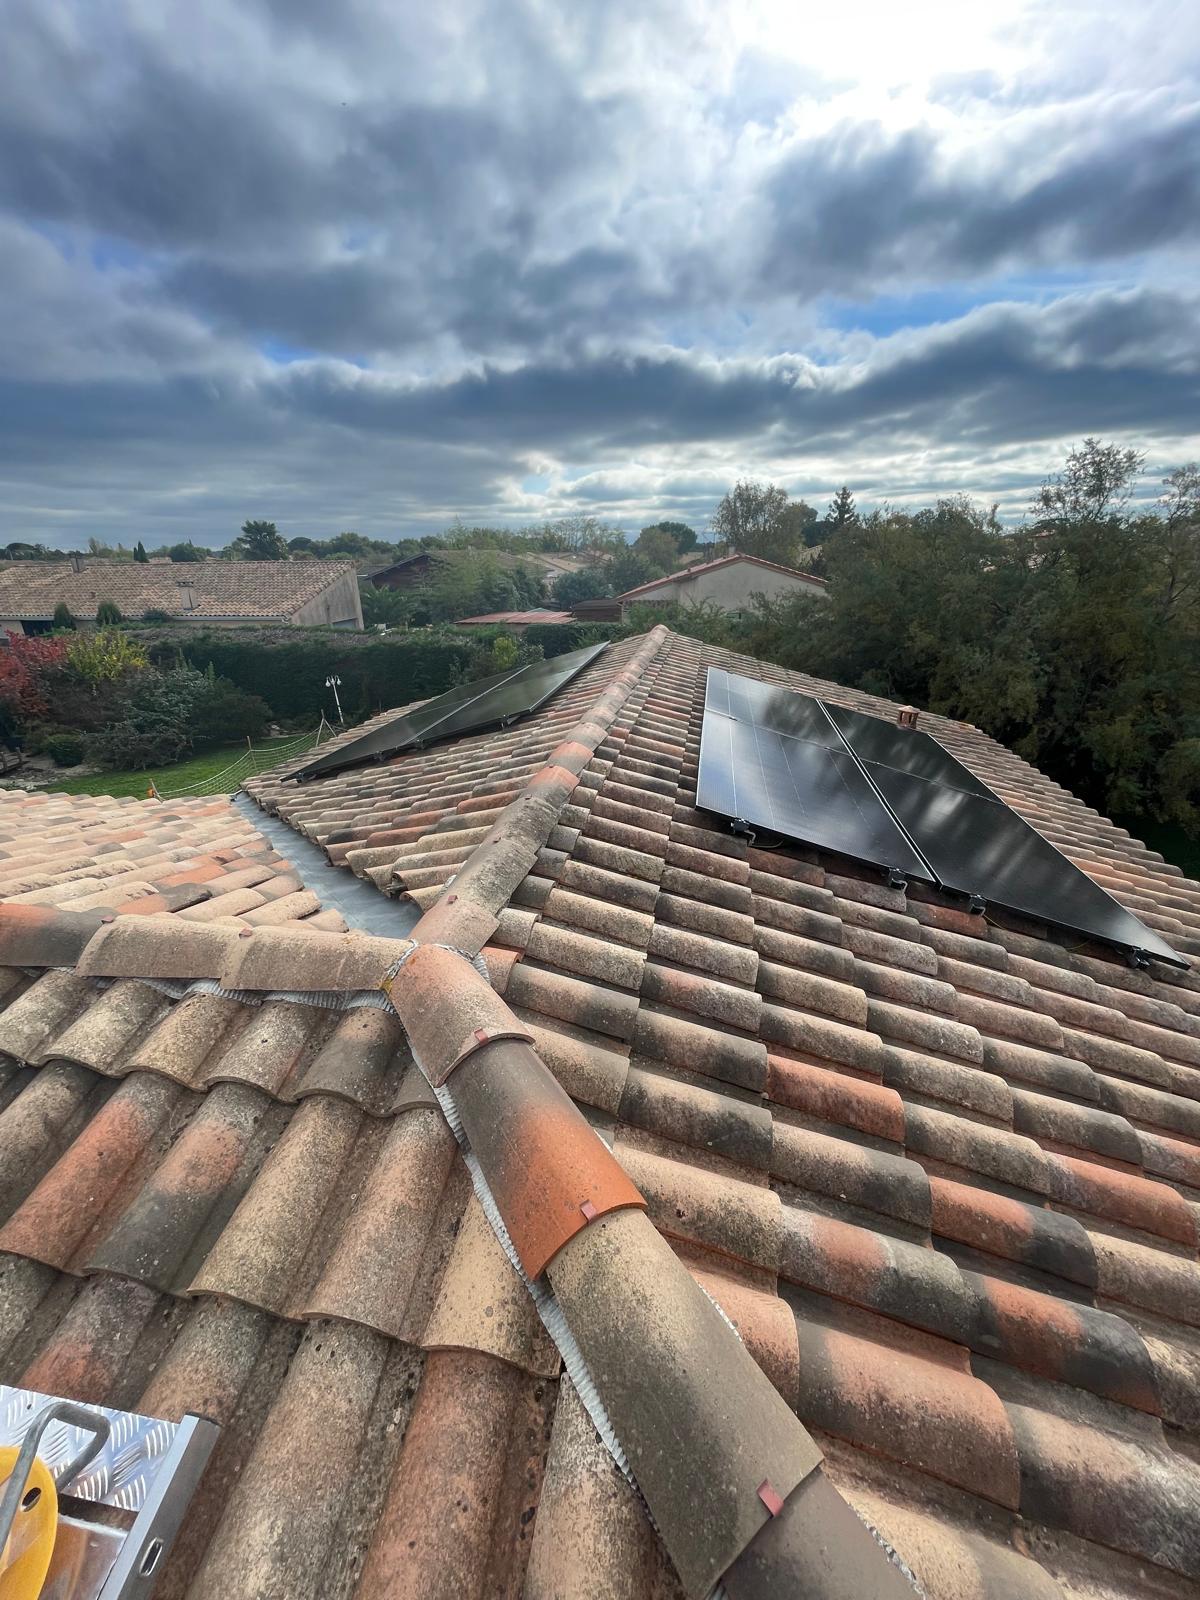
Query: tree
(64, 617)
(842, 511)
(391, 607)
(683, 535)
(186, 552)
(589, 583)
(660, 548)
(756, 519)
(1173, 540)
(1096, 483)
(303, 546)
(800, 520)
(259, 541)
(139, 552)
(108, 614)
(353, 544)
(625, 569)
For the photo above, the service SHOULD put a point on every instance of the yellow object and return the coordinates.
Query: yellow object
(25, 1558)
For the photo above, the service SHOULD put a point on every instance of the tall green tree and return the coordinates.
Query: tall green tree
(1095, 484)
(757, 519)
(259, 541)
(589, 583)
(659, 547)
(139, 552)
(625, 569)
(684, 536)
(842, 511)
(1075, 639)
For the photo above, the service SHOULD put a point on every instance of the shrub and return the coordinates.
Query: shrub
(499, 652)
(125, 744)
(64, 617)
(26, 668)
(65, 749)
(224, 712)
(108, 614)
(154, 727)
(106, 655)
(155, 615)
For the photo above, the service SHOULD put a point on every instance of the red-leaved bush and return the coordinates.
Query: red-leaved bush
(24, 665)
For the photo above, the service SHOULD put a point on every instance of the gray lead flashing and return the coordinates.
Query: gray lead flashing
(363, 907)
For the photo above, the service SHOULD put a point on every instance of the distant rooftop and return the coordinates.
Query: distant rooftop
(30, 590)
(712, 566)
(514, 619)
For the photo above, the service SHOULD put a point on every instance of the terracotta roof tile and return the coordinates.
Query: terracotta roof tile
(31, 589)
(940, 1172)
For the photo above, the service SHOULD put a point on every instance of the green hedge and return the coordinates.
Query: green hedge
(288, 666)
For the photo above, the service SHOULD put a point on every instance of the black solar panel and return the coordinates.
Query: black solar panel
(798, 716)
(895, 798)
(906, 749)
(411, 729)
(486, 703)
(978, 846)
(805, 788)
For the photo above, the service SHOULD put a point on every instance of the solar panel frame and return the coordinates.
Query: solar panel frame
(470, 708)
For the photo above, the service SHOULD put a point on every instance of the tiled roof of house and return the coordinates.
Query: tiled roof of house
(713, 566)
(30, 590)
(940, 1171)
(519, 619)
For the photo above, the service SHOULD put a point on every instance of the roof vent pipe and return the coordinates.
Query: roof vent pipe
(906, 717)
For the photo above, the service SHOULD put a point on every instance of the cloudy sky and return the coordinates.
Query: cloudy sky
(368, 264)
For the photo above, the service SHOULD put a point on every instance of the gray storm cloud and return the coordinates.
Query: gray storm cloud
(369, 273)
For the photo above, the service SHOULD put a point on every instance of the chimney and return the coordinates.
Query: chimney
(187, 596)
(906, 717)
(76, 561)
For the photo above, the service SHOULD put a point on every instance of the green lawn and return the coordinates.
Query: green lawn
(196, 772)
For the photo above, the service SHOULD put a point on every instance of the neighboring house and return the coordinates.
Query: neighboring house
(867, 1222)
(730, 583)
(411, 573)
(518, 621)
(216, 593)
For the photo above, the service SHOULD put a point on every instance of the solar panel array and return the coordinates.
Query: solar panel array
(895, 798)
(487, 703)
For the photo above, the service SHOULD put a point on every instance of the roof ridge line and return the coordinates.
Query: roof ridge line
(466, 913)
